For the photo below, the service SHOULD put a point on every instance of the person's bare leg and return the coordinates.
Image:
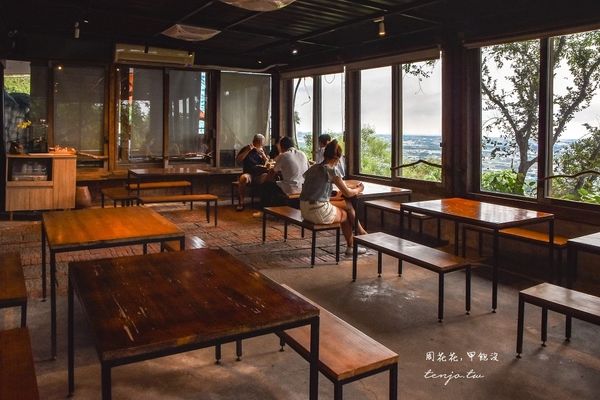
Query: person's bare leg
(244, 180)
(342, 218)
(347, 206)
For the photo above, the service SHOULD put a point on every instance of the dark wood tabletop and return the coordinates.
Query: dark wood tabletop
(588, 242)
(376, 190)
(160, 302)
(473, 211)
(105, 227)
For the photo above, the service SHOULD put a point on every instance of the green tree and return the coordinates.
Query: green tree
(516, 101)
(375, 153)
(17, 84)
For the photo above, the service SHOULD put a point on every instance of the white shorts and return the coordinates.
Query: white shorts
(320, 212)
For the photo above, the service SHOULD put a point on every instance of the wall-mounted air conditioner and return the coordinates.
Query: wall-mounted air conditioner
(130, 53)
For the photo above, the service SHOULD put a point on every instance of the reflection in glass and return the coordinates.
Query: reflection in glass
(79, 108)
(140, 115)
(245, 110)
(187, 117)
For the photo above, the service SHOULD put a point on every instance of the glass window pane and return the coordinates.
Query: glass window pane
(140, 115)
(187, 115)
(25, 106)
(332, 106)
(376, 121)
(245, 110)
(576, 117)
(422, 119)
(303, 114)
(79, 108)
(509, 117)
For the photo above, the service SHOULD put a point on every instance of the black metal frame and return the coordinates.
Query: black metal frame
(495, 228)
(573, 247)
(107, 365)
(53, 283)
(441, 274)
(338, 384)
(287, 221)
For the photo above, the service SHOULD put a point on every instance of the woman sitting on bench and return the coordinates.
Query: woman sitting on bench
(316, 204)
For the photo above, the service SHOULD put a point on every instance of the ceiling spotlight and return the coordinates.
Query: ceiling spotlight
(381, 24)
(294, 51)
(76, 31)
(59, 67)
(259, 61)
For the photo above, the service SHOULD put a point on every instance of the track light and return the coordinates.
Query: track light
(76, 30)
(381, 25)
(294, 51)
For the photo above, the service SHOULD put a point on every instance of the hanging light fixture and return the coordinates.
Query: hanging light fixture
(259, 5)
(190, 33)
(381, 25)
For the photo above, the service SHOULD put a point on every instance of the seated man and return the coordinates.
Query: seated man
(290, 165)
(253, 159)
(324, 140)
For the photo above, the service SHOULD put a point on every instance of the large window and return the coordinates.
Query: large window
(245, 110)
(303, 115)
(79, 108)
(575, 131)
(376, 121)
(25, 115)
(332, 106)
(140, 114)
(422, 120)
(509, 117)
(188, 139)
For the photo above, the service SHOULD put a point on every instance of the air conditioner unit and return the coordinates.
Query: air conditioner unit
(130, 53)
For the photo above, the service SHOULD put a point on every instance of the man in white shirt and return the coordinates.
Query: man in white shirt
(285, 178)
(290, 164)
(323, 140)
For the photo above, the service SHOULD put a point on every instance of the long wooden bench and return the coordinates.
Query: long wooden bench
(521, 234)
(345, 353)
(191, 242)
(183, 198)
(13, 292)
(158, 185)
(17, 372)
(293, 216)
(571, 303)
(419, 255)
(394, 207)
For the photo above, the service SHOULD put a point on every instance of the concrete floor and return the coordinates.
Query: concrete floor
(399, 312)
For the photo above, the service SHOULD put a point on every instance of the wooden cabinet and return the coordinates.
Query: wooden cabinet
(43, 181)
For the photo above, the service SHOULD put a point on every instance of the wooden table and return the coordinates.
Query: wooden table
(374, 191)
(492, 216)
(589, 243)
(99, 228)
(188, 300)
(141, 174)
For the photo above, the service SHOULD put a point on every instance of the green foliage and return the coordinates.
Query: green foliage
(17, 84)
(375, 153)
(515, 101)
(307, 147)
(506, 181)
(582, 155)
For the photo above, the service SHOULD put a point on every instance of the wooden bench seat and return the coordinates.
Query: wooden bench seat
(293, 216)
(394, 207)
(419, 255)
(121, 194)
(13, 292)
(17, 372)
(158, 185)
(345, 353)
(521, 234)
(571, 303)
(183, 198)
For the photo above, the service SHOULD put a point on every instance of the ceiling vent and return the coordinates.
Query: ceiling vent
(130, 53)
(190, 33)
